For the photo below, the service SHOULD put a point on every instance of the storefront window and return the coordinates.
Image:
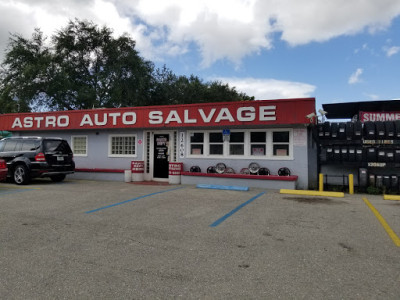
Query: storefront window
(124, 145)
(216, 143)
(281, 143)
(197, 143)
(79, 145)
(258, 142)
(236, 143)
(262, 144)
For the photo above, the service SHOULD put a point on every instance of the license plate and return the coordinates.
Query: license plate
(60, 158)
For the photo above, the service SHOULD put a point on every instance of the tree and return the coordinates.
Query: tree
(172, 89)
(24, 72)
(84, 66)
(97, 70)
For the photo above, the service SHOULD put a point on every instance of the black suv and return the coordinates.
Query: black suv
(29, 157)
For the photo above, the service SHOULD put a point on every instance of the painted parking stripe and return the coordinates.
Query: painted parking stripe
(130, 200)
(383, 222)
(14, 191)
(220, 220)
(18, 187)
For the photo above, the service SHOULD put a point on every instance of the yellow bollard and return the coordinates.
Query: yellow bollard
(321, 182)
(351, 184)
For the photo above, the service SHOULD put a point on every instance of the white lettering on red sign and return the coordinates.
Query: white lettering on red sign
(379, 116)
(137, 166)
(175, 168)
(243, 114)
(197, 116)
(128, 118)
(246, 114)
(205, 118)
(267, 113)
(36, 122)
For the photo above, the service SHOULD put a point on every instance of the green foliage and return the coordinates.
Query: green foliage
(374, 190)
(84, 67)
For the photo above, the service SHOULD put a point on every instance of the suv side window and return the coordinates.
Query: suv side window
(30, 145)
(19, 145)
(10, 145)
(2, 143)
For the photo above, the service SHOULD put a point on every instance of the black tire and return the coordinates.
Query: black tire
(58, 178)
(21, 175)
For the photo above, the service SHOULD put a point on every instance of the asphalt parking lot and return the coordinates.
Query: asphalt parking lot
(103, 240)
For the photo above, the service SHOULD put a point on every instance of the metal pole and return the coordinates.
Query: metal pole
(321, 182)
(351, 184)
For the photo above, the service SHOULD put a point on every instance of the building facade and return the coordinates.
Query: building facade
(270, 133)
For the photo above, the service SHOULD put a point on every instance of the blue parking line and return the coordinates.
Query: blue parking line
(15, 191)
(130, 200)
(220, 220)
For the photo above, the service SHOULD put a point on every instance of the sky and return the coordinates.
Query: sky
(333, 50)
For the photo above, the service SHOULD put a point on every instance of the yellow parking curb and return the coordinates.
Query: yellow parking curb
(312, 193)
(391, 197)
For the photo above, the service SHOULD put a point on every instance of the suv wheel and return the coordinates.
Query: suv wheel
(21, 175)
(58, 178)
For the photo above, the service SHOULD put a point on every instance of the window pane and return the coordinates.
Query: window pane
(281, 137)
(237, 137)
(196, 149)
(18, 147)
(281, 150)
(10, 145)
(258, 137)
(216, 137)
(216, 149)
(79, 145)
(30, 145)
(236, 149)
(197, 137)
(258, 149)
(123, 145)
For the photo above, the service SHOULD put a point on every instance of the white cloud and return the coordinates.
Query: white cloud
(390, 51)
(219, 30)
(355, 77)
(372, 96)
(263, 89)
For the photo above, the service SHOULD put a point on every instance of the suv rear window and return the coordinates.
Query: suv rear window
(56, 146)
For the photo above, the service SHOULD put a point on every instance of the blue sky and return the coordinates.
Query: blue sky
(335, 51)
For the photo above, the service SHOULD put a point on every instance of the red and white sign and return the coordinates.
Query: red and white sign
(175, 168)
(137, 166)
(265, 112)
(379, 116)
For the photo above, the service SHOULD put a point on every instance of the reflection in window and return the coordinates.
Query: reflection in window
(216, 143)
(197, 143)
(236, 143)
(258, 142)
(280, 143)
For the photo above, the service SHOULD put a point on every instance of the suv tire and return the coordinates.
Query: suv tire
(21, 174)
(58, 178)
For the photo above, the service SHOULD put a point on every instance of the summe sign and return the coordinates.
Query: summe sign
(291, 111)
(379, 116)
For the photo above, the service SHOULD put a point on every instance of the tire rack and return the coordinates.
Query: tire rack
(371, 147)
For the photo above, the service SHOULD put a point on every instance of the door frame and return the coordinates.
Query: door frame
(150, 176)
